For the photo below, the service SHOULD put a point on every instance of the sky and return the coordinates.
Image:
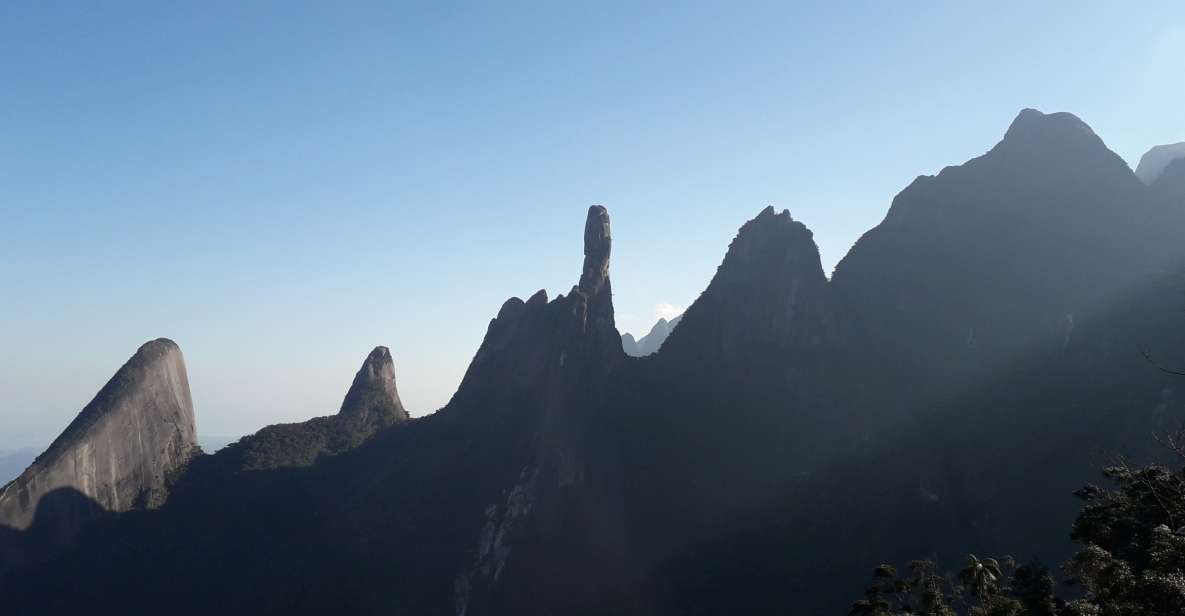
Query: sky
(281, 186)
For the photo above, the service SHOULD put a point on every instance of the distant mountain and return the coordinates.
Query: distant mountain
(1154, 161)
(651, 342)
(971, 361)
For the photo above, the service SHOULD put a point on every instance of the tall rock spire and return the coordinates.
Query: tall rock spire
(373, 389)
(597, 246)
(526, 337)
(547, 364)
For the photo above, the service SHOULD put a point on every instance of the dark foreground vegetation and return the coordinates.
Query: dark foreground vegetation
(1130, 561)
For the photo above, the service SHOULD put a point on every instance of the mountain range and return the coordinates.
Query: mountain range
(970, 362)
(651, 342)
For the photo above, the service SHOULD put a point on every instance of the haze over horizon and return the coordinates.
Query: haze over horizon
(191, 175)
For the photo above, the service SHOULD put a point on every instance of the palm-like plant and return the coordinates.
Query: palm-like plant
(983, 576)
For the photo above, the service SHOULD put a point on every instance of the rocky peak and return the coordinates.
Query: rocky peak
(976, 265)
(770, 290)
(1155, 162)
(1041, 151)
(1031, 126)
(371, 404)
(119, 453)
(1046, 170)
(525, 337)
(546, 364)
(373, 389)
(597, 246)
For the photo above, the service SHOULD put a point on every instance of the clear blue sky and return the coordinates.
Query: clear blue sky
(281, 186)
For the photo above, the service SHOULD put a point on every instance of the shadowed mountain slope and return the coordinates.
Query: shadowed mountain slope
(973, 359)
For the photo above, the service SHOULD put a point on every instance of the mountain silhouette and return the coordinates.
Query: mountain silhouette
(651, 342)
(972, 359)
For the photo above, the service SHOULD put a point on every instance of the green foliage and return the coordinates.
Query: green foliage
(1032, 585)
(982, 576)
(1131, 563)
(922, 592)
(302, 444)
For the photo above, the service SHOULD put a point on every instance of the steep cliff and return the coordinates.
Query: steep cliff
(554, 360)
(120, 453)
(373, 393)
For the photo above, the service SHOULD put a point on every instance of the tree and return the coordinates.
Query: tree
(1131, 561)
(923, 593)
(982, 576)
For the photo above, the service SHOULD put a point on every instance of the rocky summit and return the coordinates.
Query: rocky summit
(371, 404)
(373, 390)
(120, 453)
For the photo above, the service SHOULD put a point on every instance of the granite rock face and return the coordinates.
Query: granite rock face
(121, 451)
(373, 389)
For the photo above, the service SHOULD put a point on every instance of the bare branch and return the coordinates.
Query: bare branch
(1148, 357)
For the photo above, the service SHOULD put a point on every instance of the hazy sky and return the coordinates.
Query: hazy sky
(281, 186)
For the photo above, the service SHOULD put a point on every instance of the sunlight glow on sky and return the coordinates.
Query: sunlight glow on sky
(279, 187)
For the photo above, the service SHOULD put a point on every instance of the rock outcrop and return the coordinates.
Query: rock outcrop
(373, 392)
(550, 363)
(371, 404)
(1154, 162)
(120, 453)
(769, 292)
(526, 339)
